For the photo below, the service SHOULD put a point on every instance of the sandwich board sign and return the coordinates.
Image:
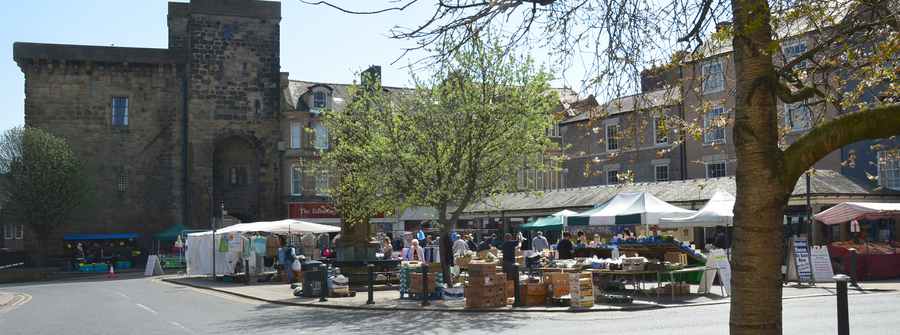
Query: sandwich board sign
(718, 263)
(153, 266)
(799, 267)
(821, 264)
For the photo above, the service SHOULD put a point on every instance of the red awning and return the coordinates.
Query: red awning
(848, 211)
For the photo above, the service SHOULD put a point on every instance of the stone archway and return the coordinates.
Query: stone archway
(236, 177)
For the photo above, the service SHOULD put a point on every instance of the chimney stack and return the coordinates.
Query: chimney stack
(371, 76)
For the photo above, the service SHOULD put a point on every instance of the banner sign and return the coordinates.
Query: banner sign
(312, 210)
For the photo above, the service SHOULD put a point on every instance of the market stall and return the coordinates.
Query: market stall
(234, 243)
(635, 208)
(95, 252)
(876, 251)
(718, 211)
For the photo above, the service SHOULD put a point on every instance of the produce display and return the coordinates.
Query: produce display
(870, 248)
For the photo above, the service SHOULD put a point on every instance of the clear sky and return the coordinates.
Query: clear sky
(317, 43)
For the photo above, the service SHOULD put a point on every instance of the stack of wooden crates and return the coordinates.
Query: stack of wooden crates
(581, 290)
(486, 287)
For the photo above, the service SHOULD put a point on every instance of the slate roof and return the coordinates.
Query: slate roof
(583, 109)
(822, 182)
(91, 53)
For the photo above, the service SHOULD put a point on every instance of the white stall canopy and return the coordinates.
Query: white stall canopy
(628, 208)
(200, 246)
(848, 211)
(718, 211)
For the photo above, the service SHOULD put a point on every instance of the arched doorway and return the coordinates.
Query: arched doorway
(236, 176)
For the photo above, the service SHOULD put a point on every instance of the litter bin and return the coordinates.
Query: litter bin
(312, 284)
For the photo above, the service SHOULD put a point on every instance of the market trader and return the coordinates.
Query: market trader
(509, 246)
(564, 247)
(539, 243)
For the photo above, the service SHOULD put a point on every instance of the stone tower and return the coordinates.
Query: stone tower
(232, 80)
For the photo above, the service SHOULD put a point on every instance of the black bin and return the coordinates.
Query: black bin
(312, 284)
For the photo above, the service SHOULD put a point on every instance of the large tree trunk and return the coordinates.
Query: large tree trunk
(761, 199)
(446, 255)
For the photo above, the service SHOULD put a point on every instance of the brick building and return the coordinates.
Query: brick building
(168, 134)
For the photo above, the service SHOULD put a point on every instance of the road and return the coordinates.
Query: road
(139, 306)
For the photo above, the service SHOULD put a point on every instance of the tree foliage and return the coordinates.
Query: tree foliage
(457, 137)
(42, 178)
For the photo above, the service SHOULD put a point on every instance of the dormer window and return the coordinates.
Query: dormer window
(319, 99)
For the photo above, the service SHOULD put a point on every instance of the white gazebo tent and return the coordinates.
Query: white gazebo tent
(628, 208)
(718, 211)
(200, 245)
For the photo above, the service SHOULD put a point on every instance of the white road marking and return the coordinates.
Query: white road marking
(18, 299)
(123, 295)
(147, 309)
(176, 324)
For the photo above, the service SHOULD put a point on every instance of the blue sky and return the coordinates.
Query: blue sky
(317, 43)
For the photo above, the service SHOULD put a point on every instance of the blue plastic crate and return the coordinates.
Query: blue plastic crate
(86, 268)
(122, 265)
(101, 268)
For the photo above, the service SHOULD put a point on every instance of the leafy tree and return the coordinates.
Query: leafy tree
(849, 73)
(456, 138)
(42, 180)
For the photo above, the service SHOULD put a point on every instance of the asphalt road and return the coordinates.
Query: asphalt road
(140, 306)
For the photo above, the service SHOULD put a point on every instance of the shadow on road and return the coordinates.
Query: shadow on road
(314, 320)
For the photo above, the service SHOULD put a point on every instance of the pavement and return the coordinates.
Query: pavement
(279, 293)
(138, 305)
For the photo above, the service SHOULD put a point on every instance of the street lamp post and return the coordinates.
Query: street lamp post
(212, 225)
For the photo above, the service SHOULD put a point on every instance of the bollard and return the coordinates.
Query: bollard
(842, 314)
(371, 284)
(425, 285)
(324, 290)
(853, 258)
(516, 291)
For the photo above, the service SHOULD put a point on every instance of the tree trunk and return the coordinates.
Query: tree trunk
(761, 199)
(446, 256)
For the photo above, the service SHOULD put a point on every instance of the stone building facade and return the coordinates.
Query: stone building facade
(170, 135)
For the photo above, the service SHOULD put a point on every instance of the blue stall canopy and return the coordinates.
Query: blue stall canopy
(92, 237)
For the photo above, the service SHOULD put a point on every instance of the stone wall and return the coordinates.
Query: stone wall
(74, 100)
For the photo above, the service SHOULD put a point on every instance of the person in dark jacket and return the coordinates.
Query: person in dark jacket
(470, 241)
(565, 246)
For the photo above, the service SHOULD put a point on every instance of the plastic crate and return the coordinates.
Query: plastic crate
(100, 267)
(86, 268)
(122, 265)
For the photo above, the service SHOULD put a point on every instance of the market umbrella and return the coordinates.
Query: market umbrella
(848, 211)
(718, 211)
(628, 208)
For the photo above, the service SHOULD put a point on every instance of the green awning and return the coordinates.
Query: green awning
(171, 233)
(544, 223)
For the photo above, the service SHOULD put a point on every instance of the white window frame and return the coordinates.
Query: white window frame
(710, 134)
(888, 170)
(8, 231)
(296, 180)
(789, 110)
(20, 231)
(656, 172)
(553, 131)
(656, 140)
(122, 185)
(790, 51)
(612, 139)
(124, 118)
(608, 172)
(315, 97)
(322, 183)
(724, 168)
(321, 136)
(296, 135)
(708, 80)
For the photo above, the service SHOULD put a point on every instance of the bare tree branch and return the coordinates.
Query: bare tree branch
(348, 11)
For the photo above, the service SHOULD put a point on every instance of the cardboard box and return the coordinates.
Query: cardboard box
(482, 268)
(415, 282)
